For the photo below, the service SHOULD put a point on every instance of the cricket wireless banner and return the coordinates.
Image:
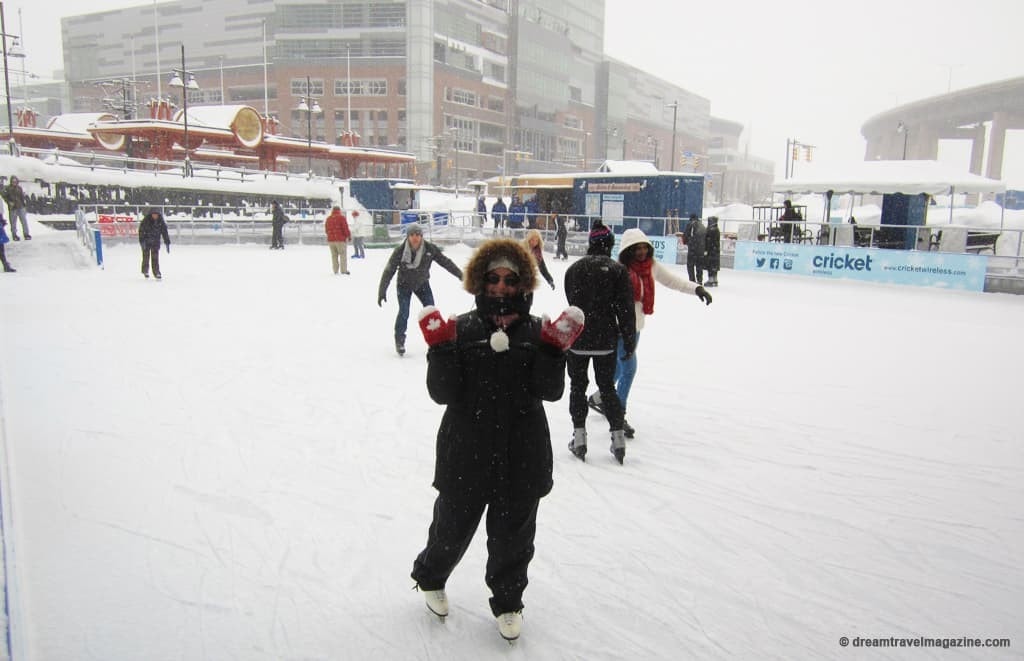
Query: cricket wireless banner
(901, 267)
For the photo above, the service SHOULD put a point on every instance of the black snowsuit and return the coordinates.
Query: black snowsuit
(493, 451)
(151, 230)
(600, 286)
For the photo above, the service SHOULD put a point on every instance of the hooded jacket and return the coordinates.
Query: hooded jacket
(661, 274)
(600, 286)
(494, 440)
(151, 230)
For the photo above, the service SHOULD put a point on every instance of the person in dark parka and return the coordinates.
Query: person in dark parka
(694, 235)
(600, 286)
(151, 230)
(712, 251)
(412, 260)
(492, 368)
(277, 223)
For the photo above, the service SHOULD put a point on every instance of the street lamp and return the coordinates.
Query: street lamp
(902, 128)
(12, 145)
(672, 158)
(186, 80)
(309, 105)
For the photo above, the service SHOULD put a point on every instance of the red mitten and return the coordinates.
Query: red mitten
(564, 331)
(435, 329)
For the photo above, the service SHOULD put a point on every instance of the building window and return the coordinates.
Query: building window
(375, 87)
(496, 103)
(298, 86)
(461, 96)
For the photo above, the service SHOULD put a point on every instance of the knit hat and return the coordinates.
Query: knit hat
(601, 240)
(630, 238)
(413, 228)
(502, 262)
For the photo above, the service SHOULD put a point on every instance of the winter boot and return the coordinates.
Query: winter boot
(594, 402)
(627, 429)
(437, 602)
(9, 269)
(578, 444)
(618, 445)
(400, 344)
(510, 625)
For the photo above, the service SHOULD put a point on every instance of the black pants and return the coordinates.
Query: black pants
(3, 258)
(604, 374)
(151, 254)
(560, 250)
(511, 528)
(695, 269)
(276, 237)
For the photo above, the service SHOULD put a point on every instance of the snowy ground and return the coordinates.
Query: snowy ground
(233, 464)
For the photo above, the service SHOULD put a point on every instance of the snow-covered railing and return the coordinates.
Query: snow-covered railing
(90, 237)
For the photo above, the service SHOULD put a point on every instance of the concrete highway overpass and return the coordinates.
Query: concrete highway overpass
(981, 114)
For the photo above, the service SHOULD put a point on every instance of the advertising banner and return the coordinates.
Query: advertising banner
(116, 225)
(900, 267)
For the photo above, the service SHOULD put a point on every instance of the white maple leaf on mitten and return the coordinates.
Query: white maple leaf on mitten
(565, 329)
(436, 330)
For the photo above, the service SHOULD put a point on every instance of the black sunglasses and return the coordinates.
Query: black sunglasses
(511, 280)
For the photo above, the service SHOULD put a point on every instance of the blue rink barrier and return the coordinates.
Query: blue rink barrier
(900, 267)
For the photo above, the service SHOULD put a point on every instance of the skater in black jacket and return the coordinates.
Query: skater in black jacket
(151, 230)
(412, 259)
(600, 286)
(277, 225)
(492, 368)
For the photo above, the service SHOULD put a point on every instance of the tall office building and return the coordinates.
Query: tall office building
(473, 88)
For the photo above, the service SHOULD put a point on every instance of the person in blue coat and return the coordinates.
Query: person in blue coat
(516, 214)
(498, 212)
(3, 240)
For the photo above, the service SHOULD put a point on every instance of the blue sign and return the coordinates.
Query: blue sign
(900, 267)
(664, 248)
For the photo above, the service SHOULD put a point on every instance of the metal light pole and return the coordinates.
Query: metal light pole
(187, 81)
(309, 106)
(672, 158)
(902, 128)
(12, 145)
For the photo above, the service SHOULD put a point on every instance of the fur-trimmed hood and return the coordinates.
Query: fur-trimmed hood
(488, 251)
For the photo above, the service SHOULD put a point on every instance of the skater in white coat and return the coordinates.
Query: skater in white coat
(637, 254)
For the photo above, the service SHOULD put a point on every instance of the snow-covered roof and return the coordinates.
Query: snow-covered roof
(213, 116)
(881, 177)
(78, 122)
(628, 167)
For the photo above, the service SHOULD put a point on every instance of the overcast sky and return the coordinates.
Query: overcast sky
(813, 70)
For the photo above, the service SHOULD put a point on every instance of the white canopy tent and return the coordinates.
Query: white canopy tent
(885, 177)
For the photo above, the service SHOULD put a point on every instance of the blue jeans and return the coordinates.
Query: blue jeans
(625, 370)
(426, 297)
